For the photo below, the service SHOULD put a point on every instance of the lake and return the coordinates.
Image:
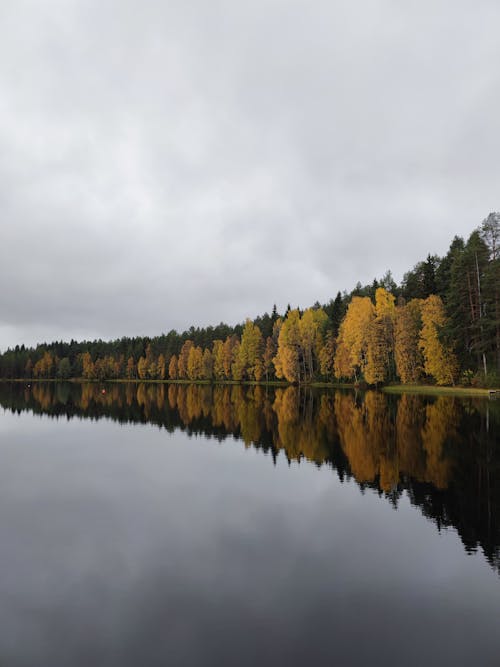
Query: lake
(195, 525)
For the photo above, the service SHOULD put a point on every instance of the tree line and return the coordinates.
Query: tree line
(440, 325)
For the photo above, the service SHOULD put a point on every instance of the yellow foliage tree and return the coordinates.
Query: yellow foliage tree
(249, 355)
(142, 368)
(182, 362)
(439, 358)
(160, 367)
(88, 370)
(218, 359)
(172, 368)
(408, 355)
(229, 350)
(207, 364)
(350, 358)
(287, 361)
(195, 363)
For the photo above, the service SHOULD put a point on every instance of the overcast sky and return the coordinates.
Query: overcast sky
(184, 162)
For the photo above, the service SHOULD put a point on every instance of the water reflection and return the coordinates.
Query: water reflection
(444, 452)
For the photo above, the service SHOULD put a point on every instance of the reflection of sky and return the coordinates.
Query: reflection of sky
(129, 545)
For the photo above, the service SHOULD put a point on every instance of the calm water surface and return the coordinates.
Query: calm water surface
(187, 525)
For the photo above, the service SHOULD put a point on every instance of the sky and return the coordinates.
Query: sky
(191, 162)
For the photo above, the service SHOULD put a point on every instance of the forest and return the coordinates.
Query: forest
(441, 326)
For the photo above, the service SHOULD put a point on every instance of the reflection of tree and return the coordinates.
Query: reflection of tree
(409, 421)
(444, 452)
(440, 425)
(353, 435)
(299, 433)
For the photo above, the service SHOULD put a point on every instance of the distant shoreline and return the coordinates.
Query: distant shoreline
(389, 389)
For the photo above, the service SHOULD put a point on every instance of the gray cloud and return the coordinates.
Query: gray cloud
(179, 163)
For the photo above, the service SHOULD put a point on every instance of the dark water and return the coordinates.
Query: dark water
(155, 525)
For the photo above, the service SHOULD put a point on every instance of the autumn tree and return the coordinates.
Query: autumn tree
(379, 363)
(160, 367)
(408, 355)
(229, 350)
(88, 370)
(131, 368)
(439, 359)
(287, 360)
(182, 362)
(207, 365)
(350, 357)
(218, 359)
(172, 368)
(312, 326)
(195, 363)
(327, 355)
(142, 368)
(267, 358)
(248, 360)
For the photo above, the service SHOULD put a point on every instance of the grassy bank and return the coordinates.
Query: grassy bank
(435, 391)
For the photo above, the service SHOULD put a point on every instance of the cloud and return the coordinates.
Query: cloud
(191, 163)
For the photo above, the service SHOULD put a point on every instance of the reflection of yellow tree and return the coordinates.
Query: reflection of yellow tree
(249, 415)
(206, 400)
(302, 423)
(222, 412)
(193, 403)
(354, 438)
(367, 438)
(87, 395)
(299, 434)
(409, 423)
(414, 447)
(43, 395)
(381, 438)
(286, 408)
(142, 399)
(172, 395)
(441, 423)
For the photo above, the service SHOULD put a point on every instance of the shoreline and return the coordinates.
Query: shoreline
(388, 389)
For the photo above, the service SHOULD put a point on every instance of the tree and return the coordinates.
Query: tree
(172, 368)
(299, 343)
(142, 368)
(218, 359)
(182, 363)
(350, 357)
(88, 366)
(195, 363)
(249, 352)
(379, 363)
(287, 361)
(327, 356)
(490, 233)
(439, 359)
(312, 326)
(465, 303)
(63, 369)
(207, 364)
(229, 350)
(408, 355)
(267, 358)
(160, 367)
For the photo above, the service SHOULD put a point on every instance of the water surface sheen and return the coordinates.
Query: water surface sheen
(196, 525)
